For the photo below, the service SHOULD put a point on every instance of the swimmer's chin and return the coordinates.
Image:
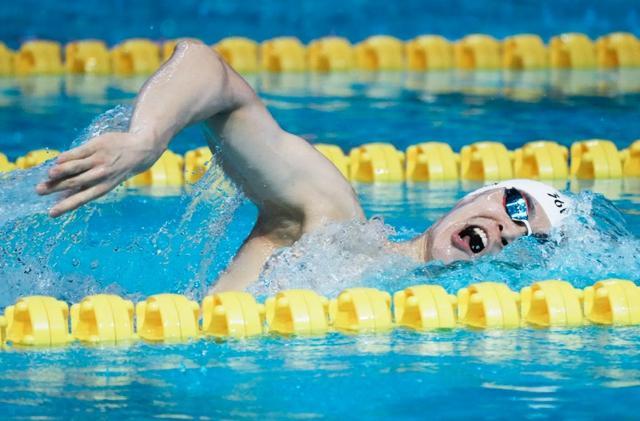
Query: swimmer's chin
(422, 249)
(416, 248)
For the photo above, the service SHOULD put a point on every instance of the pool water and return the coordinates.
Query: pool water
(139, 243)
(212, 20)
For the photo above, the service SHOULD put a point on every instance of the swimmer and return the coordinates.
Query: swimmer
(295, 188)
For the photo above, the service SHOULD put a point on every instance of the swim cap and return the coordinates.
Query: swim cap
(555, 204)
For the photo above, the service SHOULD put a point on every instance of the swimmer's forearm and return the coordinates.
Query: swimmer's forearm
(195, 84)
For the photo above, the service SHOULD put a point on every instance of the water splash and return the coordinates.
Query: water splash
(17, 188)
(17, 194)
(82, 252)
(113, 244)
(213, 199)
(333, 258)
(592, 245)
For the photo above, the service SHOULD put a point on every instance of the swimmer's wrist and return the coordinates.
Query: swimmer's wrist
(152, 137)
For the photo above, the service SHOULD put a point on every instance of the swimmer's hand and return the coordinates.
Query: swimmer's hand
(97, 167)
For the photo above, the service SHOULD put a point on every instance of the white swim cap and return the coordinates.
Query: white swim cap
(555, 204)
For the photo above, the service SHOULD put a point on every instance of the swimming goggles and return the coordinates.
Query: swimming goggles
(517, 208)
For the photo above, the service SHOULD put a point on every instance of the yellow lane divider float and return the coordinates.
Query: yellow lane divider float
(552, 303)
(572, 51)
(330, 54)
(168, 318)
(380, 52)
(619, 49)
(432, 161)
(376, 162)
(35, 158)
(283, 54)
(88, 57)
(39, 57)
(300, 311)
(485, 161)
(477, 52)
(168, 171)
(425, 307)
(429, 52)
(613, 302)
(135, 56)
(232, 315)
(631, 159)
(240, 53)
(6, 60)
(102, 318)
(595, 159)
(541, 160)
(40, 321)
(524, 52)
(428, 161)
(5, 164)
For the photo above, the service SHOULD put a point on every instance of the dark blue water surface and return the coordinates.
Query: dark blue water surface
(350, 109)
(135, 245)
(211, 20)
(502, 374)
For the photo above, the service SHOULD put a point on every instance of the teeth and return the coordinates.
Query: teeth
(476, 238)
(483, 236)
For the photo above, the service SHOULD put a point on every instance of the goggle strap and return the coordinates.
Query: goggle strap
(526, 224)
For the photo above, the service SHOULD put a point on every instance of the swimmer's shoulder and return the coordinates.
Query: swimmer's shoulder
(332, 198)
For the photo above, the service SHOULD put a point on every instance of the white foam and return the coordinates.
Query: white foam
(333, 258)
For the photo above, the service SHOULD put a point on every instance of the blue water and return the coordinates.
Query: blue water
(212, 20)
(590, 373)
(350, 109)
(135, 244)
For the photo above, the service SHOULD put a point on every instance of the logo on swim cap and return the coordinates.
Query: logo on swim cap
(557, 200)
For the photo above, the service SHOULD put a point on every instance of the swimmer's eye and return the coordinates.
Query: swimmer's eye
(517, 208)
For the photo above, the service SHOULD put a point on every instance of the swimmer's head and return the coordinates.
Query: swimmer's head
(488, 219)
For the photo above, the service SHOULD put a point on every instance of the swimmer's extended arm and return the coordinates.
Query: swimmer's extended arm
(294, 187)
(181, 92)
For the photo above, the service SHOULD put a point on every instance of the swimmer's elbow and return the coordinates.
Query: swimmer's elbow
(195, 50)
(188, 40)
(206, 65)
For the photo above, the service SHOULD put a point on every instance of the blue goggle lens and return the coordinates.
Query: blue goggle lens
(515, 204)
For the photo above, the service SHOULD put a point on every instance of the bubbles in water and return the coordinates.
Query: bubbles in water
(84, 252)
(215, 200)
(592, 245)
(17, 188)
(17, 193)
(333, 258)
(115, 244)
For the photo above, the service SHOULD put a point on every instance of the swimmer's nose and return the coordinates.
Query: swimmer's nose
(511, 232)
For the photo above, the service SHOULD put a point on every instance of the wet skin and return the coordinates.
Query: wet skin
(479, 225)
(295, 188)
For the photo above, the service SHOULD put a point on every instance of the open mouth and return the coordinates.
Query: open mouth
(475, 238)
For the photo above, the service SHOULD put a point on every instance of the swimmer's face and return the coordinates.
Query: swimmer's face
(480, 225)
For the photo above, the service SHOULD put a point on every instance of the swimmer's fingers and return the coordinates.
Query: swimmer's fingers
(84, 179)
(66, 170)
(81, 152)
(78, 199)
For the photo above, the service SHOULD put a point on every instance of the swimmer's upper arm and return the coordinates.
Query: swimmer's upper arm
(292, 184)
(279, 171)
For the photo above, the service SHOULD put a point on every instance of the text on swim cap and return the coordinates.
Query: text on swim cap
(557, 201)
